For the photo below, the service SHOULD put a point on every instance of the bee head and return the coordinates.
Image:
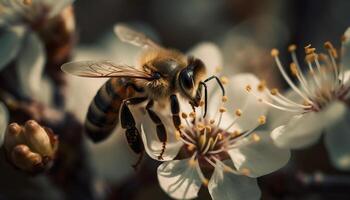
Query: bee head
(190, 76)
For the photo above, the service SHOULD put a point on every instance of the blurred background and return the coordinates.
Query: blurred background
(245, 31)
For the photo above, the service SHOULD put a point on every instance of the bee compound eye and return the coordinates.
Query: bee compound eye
(186, 79)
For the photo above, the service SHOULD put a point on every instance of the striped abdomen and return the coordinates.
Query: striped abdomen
(103, 113)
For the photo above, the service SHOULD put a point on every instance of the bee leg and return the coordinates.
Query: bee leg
(175, 109)
(161, 131)
(128, 122)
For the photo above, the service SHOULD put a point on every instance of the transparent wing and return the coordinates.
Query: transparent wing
(101, 69)
(133, 37)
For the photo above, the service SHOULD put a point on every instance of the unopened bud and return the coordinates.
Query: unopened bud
(30, 148)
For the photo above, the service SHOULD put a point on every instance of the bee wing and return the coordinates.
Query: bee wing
(133, 37)
(101, 69)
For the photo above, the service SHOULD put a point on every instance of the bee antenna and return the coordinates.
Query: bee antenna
(218, 81)
(205, 98)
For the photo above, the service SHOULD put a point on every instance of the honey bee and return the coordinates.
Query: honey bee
(163, 75)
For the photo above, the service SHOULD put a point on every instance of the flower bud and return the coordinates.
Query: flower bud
(31, 147)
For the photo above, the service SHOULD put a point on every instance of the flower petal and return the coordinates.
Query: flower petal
(4, 118)
(210, 54)
(305, 129)
(337, 141)
(239, 98)
(227, 186)
(11, 41)
(297, 133)
(154, 147)
(30, 65)
(178, 179)
(259, 157)
(58, 6)
(345, 60)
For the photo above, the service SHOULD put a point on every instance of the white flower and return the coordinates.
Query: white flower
(223, 151)
(20, 23)
(4, 118)
(319, 103)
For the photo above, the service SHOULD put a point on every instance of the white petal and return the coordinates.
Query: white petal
(228, 186)
(278, 117)
(30, 65)
(298, 133)
(58, 6)
(259, 157)
(345, 60)
(4, 118)
(239, 98)
(337, 141)
(210, 54)
(154, 147)
(11, 41)
(178, 179)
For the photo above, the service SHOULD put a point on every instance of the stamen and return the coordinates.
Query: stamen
(207, 146)
(262, 86)
(255, 137)
(238, 112)
(274, 53)
(245, 171)
(224, 80)
(262, 120)
(224, 99)
(184, 115)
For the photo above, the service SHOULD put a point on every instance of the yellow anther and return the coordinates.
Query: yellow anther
(190, 147)
(262, 86)
(256, 137)
(236, 133)
(274, 52)
(192, 114)
(311, 57)
(200, 127)
(222, 109)
(274, 91)
(224, 98)
(177, 135)
(328, 45)
(205, 182)
(262, 120)
(224, 80)
(238, 112)
(245, 171)
(192, 162)
(309, 50)
(248, 88)
(292, 47)
(219, 136)
(208, 128)
(184, 115)
(294, 69)
(27, 2)
(181, 126)
(201, 103)
(212, 121)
